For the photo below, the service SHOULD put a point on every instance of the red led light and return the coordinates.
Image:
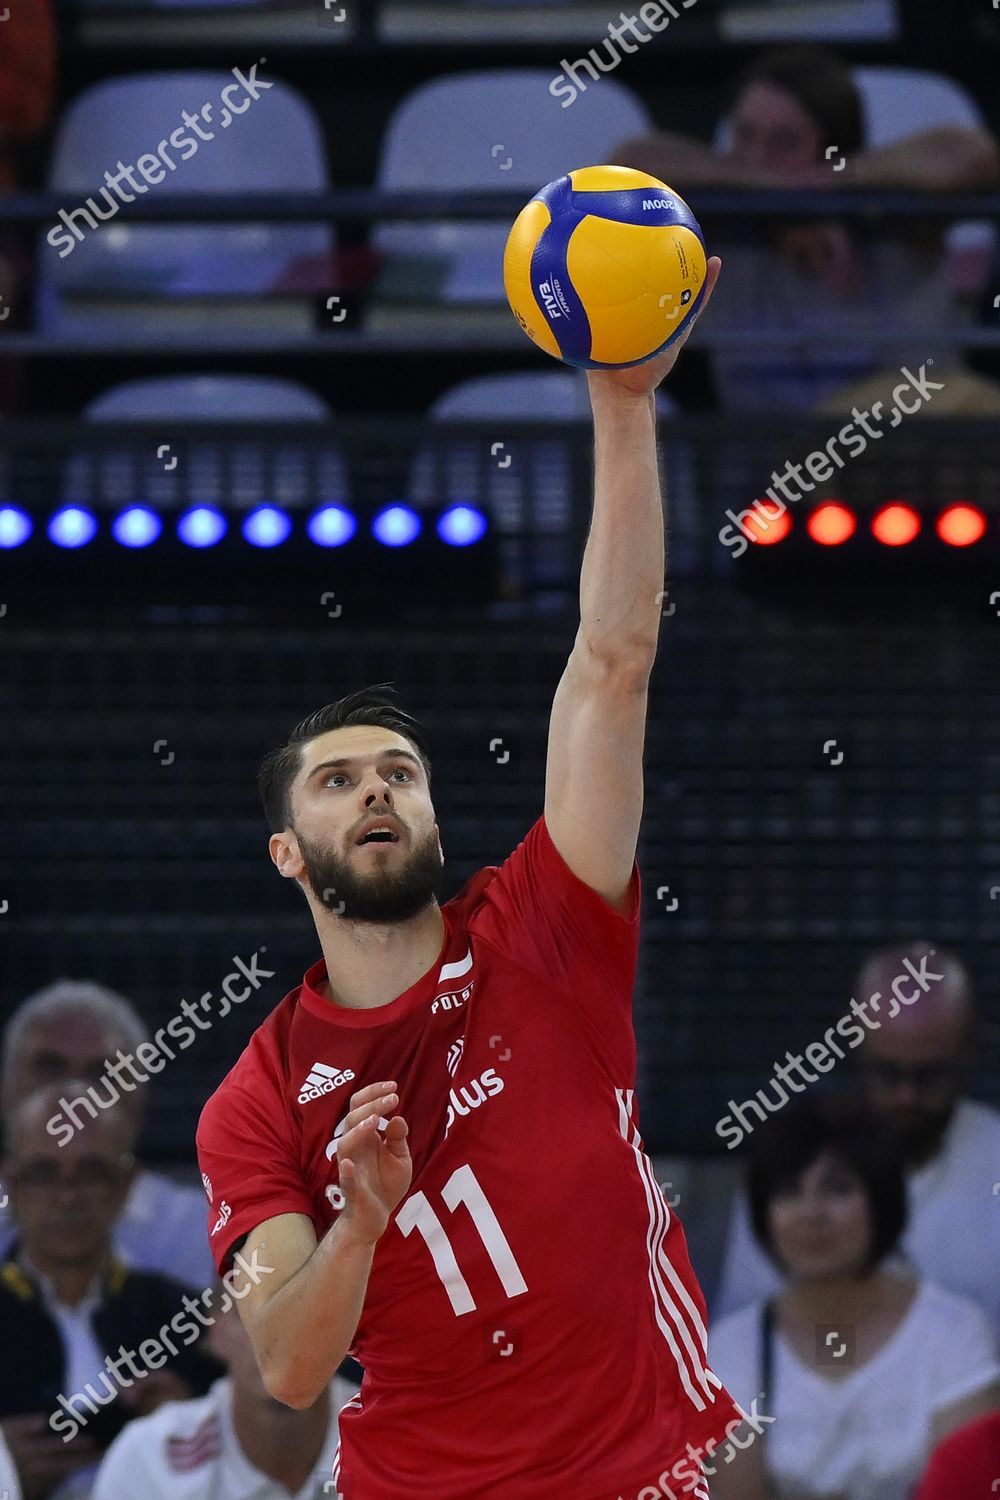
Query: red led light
(831, 524)
(764, 527)
(961, 525)
(895, 525)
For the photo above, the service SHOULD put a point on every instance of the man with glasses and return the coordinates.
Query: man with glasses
(73, 1029)
(87, 1339)
(912, 1068)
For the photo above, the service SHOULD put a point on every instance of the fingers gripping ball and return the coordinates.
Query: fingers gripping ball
(605, 267)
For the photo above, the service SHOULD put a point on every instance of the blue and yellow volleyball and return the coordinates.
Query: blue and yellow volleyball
(605, 267)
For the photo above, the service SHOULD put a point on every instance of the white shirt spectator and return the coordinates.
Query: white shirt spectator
(188, 1450)
(163, 1227)
(10, 1486)
(865, 1434)
(953, 1230)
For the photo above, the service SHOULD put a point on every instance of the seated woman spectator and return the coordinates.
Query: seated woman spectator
(796, 115)
(967, 1463)
(862, 1369)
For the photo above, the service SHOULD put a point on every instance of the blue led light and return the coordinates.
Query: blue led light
(136, 527)
(15, 526)
(72, 527)
(201, 526)
(460, 526)
(396, 526)
(331, 526)
(266, 526)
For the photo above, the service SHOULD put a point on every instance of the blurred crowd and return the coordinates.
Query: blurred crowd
(858, 1304)
(860, 1290)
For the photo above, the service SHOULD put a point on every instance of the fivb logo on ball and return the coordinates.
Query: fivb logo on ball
(605, 267)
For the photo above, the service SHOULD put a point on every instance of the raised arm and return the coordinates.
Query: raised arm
(593, 776)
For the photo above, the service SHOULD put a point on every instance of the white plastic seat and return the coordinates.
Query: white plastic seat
(498, 128)
(208, 398)
(527, 483)
(212, 473)
(276, 145)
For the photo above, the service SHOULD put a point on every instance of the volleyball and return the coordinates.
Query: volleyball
(605, 267)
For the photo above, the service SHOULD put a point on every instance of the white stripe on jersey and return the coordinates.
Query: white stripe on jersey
(455, 970)
(355, 1401)
(665, 1308)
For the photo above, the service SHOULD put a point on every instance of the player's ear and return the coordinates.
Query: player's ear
(284, 851)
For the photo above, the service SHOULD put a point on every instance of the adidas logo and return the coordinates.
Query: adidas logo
(323, 1079)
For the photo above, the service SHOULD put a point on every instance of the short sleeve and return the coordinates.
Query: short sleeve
(248, 1164)
(542, 916)
(734, 1353)
(965, 1351)
(126, 1471)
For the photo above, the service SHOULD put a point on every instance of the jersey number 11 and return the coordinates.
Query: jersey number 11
(462, 1187)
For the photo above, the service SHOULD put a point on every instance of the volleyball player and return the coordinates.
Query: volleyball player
(432, 1144)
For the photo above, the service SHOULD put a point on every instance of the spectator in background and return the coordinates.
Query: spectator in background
(237, 1442)
(966, 1466)
(862, 1368)
(27, 78)
(76, 1325)
(73, 1029)
(10, 1485)
(791, 107)
(27, 86)
(913, 1067)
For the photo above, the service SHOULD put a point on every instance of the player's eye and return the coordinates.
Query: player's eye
(399, 771)
(333, 777)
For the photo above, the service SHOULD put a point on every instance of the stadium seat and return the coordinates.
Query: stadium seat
(243, 473)
(466, 470)
(275, 146)
(498, 128)
(208, 398)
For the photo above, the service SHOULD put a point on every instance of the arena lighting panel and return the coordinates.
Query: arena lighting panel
(883, 556)
(266, 559)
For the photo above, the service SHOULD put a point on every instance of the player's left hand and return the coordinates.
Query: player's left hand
(640, 380)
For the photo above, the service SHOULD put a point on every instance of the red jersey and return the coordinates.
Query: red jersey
(966, 1465)
(532, 1327)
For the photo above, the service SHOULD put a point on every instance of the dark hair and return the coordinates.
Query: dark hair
(370, 705)
(795, 1138)
(821, 82)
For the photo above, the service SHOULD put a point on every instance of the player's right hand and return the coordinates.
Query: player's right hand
(374, 1165)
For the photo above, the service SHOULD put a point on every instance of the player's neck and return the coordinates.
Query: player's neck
(369, 965)
(283, 1444)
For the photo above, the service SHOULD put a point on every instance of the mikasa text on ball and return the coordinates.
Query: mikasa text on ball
(605, 267)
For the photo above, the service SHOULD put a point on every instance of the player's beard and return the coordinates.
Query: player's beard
(392, 894)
